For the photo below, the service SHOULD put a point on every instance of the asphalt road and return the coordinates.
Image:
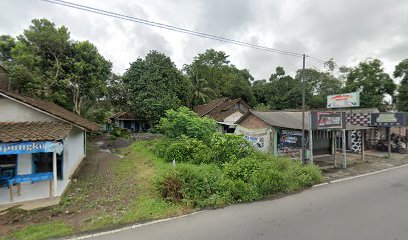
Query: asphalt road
(372, 207)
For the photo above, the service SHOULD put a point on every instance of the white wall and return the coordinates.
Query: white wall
(24, 164)
(12, 111)
(74, 151)
(233, 117)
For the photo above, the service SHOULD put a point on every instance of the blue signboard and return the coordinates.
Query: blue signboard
(30, 147)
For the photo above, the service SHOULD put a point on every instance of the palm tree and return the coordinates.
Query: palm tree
(201, 92)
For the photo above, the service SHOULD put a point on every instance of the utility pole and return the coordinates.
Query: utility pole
(303, 109)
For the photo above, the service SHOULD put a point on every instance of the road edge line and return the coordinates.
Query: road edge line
(97, 234)
(359, 176)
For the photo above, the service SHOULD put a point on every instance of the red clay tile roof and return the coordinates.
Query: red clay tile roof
(53, 109)
(219, 109)
(124, 116)
(33, 131)
(202, 110)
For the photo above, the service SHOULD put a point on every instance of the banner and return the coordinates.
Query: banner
(30, 147)
(260, 138)
(344, 100)
(290, 143)
(397, 119)
(328, 120)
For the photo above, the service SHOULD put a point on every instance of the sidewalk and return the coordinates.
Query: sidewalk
(374, 161)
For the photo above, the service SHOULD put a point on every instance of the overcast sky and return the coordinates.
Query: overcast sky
(348, 31)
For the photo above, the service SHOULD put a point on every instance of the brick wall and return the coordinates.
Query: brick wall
(253, 122)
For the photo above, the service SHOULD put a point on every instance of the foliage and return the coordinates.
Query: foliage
(45, 62)
(229, 147)
(155, 85)
(186, 122)
(401, 71)
(213, 76)
(196, 185)
(117, 132)
(370, 79)
(187, 149)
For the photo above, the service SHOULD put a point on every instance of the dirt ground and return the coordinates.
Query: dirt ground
(91, 191)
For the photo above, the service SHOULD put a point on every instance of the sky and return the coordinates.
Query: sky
(347, 31)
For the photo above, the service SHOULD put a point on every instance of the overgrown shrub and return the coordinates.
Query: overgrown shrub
(188, 123)
(243, 169)
(196, 185)
(119, 132)
(186, 149)
(229, 147)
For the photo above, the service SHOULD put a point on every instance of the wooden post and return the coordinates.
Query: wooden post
(389, 141)
(344, 149)
(50, 183)
(54, 172)
(311, 145)
(362, 145)
(334, 147)
(11, 193)
(19, 189)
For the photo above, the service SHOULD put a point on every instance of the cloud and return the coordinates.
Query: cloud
(347, 31)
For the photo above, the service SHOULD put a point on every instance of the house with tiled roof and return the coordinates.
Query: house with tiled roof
(129, 121)
(41, 145)
(225, 111)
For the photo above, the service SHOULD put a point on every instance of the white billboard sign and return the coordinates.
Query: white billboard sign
(344, 100)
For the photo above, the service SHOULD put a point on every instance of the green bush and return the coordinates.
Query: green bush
(196, 185)
(243, 169)
(188, 123)
(239, 191)
(228, 148)
(186, 149)
(117, 132)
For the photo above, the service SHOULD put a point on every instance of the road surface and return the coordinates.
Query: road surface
(373, 207)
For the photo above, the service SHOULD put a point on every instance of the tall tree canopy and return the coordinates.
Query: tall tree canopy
(45, 62)
(401, 71)
(370, 79)
(155, 85)
(214, 71)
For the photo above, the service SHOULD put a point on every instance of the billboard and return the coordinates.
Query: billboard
(290, 143)
(328, 120)
(397, 119)
(344, 100)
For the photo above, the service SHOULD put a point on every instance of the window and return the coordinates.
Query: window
(42, 162)
(8, 167)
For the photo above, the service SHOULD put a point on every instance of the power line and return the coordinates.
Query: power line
(176, 29)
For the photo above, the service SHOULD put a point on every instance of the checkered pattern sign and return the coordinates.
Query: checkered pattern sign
(361, 119)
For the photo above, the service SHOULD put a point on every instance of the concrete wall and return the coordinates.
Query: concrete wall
(24, 164)
(253, 122)
(74, 151)
(12, 111)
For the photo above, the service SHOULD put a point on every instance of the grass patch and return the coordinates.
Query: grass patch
(139, 167)
(42, 231)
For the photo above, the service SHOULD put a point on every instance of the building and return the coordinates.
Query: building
(280, 133)
(128, 121)
(225, 111)
(41, 145)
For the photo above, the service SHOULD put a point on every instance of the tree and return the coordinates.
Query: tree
(225, 79)
(321, 84)
(44, 62)
(201, 92)
(370, 79)
(401, 71)
(156, 85)
(284, 91)
(87, 73)
(7, 43)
